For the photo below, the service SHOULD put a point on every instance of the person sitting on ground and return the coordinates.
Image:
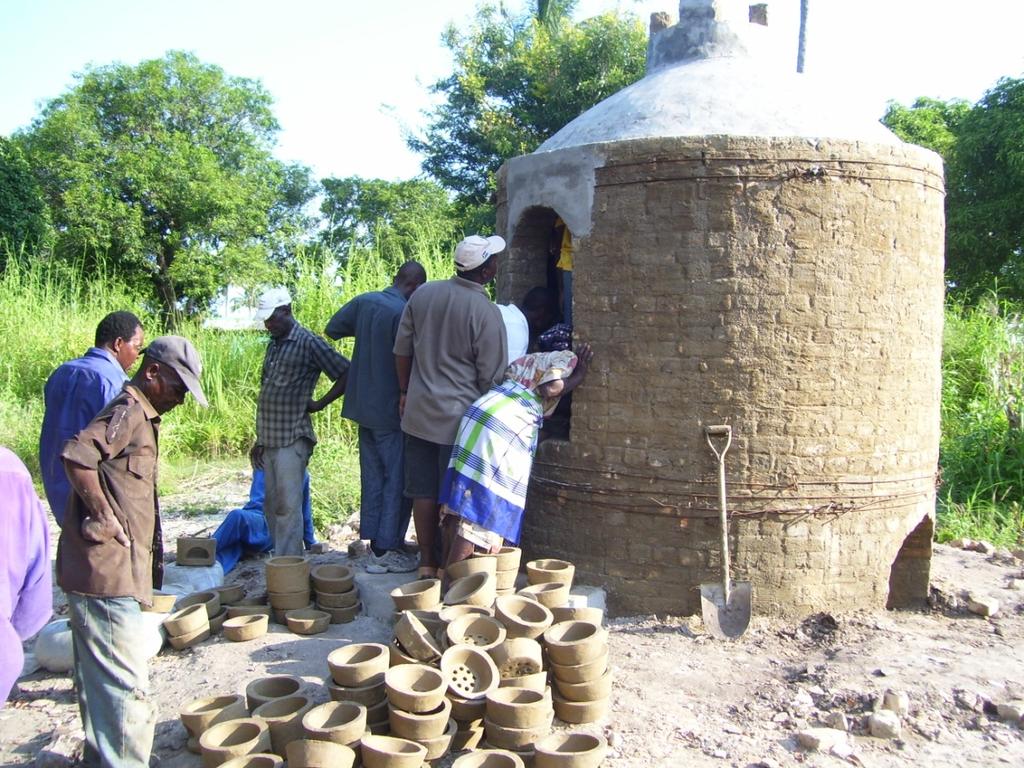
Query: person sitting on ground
(483, 492)
(244, 531)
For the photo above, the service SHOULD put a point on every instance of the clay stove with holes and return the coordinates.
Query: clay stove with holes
(748, 250)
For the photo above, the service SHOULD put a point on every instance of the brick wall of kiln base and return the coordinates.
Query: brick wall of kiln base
(791, 290)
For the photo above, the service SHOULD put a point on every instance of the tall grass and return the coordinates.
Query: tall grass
(982, 448)
(49, 315)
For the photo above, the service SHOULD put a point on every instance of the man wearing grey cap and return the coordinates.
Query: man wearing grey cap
(110, 553)
(451, 348)
(294, 360)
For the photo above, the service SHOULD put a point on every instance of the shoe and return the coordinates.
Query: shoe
(390, 562)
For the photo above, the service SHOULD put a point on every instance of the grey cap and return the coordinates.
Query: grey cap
(178, 353)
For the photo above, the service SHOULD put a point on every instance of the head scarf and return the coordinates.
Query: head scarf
(538, 368)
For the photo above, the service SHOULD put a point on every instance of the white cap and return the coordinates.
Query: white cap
(271, 299)
(475, 250)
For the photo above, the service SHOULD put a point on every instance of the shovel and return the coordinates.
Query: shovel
(725, 605)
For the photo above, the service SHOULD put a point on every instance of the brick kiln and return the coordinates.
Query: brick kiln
(750, 251)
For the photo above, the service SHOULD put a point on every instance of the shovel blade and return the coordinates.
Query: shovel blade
(726, 620)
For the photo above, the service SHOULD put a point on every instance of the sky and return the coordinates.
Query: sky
(350, 78)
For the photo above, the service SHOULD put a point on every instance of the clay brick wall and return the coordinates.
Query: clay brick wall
(790, 289)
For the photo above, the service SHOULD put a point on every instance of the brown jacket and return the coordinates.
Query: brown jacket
(121, 445)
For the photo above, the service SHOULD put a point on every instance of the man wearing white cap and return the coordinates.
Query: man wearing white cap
(294, 361)
(110, 554)
(450, 349)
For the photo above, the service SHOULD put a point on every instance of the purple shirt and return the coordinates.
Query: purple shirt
(26, 589)
(75, 392)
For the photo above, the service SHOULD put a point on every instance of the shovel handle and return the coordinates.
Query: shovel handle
(711, 432)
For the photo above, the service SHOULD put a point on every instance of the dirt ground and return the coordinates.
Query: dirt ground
(680, 697)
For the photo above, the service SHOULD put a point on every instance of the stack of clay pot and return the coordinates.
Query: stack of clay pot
(336, 592)
(190, 623)
(418, 710)
(577, 651)
(339, 722)
(199, 715)
(287, 585)
(506, 569)
(417, 622)
(357, 677)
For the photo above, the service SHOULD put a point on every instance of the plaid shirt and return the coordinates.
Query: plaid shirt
(290, 370)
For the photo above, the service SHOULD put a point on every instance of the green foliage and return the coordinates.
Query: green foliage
(163, 172)
(24, 219)
(518, 79)
(982, 448)
(393, 218)
(929, 123)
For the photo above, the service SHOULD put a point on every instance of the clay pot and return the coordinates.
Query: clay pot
(477, 589)
(468, 738)
(575, 642)
(415, 638)
(264, 689)
(471, 565)
(518, 707)
(163, 602)
(522, 616)
(415, 687)
(517, 656)
(332, 579)
(358, 664)
(287, 574)
(578, 613)
(210, 599)
(550, 594)
(229, 595)
(187, 621)
(580, 711)
(420, 726)
(570, 750)
(429, 618)
(233, 738)
(505, 581)
(217, 622)
(339, 721)
(261, 760)
(468, 710)
(424, 593)
(470, 672)
(181, 642)
(397, 655)
(288, 601)
(367, 695)
(305, 621)
(508, 559)
(599, 688)
(490, 758)
(581, 673)
(389, 752)
(242, 628)
(439, 746)
(234, 611)
(284, 717)
(544, 571)
(344, 615)
(516, 738)
(484, 632)
(196, 550)
(450, 613)
(313, 753)
(337, 599)
(535, 682)
(200, 714)
(377, 715)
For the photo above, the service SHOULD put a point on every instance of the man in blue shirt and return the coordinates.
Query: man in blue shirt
(77, 391)
(371, 401)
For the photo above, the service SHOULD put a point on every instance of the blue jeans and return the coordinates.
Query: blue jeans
(112, 678)
(383, 509)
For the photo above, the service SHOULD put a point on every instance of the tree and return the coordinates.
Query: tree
(163, 172)
(24, 220)
(930, 123)
(396, 218)
(517, 80)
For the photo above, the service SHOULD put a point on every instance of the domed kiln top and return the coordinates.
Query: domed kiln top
(709, 75)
